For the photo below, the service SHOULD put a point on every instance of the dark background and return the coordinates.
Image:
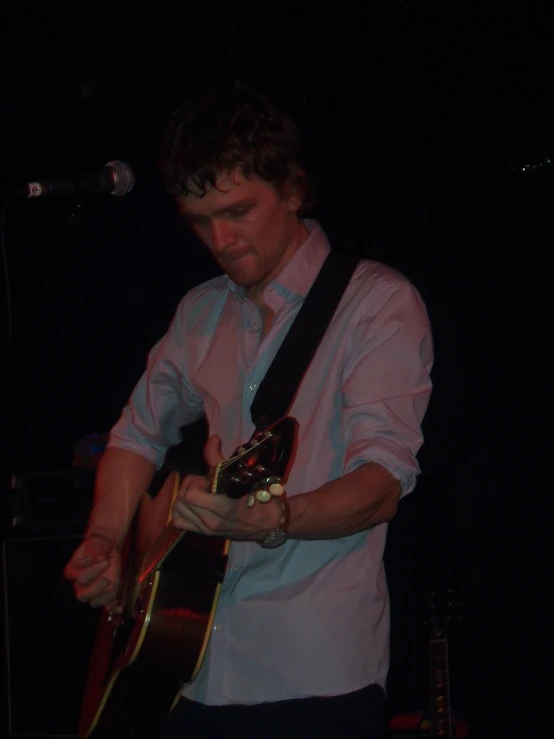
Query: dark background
(428, 127)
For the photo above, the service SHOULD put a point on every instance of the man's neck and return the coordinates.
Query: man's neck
(255, 293)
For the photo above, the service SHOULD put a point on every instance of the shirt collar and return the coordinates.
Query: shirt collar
(299, 273)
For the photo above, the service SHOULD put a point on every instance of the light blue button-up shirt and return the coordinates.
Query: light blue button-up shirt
(310, 617)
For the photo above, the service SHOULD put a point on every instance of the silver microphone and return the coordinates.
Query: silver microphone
(115, 178)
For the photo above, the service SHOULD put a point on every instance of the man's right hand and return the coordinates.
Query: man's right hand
(95, 571)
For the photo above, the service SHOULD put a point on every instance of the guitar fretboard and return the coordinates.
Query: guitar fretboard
(441, 723)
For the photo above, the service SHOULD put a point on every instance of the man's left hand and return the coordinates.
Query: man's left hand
(199, 511)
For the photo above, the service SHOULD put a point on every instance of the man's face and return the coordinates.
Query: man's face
(250, 229)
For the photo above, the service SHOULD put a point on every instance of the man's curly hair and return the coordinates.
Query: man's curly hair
(236, 128)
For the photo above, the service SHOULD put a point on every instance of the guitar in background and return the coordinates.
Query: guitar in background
(442, 607)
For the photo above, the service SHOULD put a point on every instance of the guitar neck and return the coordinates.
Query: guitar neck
(440, 714)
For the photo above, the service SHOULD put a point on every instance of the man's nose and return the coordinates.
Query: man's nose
(222, 235)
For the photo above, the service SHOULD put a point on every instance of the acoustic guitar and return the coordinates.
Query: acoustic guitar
(169, 593)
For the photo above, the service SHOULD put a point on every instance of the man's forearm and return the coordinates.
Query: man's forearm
(355, 502)
(122, 478)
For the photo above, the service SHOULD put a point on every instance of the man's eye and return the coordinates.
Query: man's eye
(239, 212)
(200, 221)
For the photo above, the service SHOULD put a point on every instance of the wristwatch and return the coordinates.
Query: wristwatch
(278, 536)
(274, 539)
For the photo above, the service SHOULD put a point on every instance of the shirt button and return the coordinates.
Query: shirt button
(217, 627)
(234, 568)
(253, 386)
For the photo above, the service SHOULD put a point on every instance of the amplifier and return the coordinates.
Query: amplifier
(50, 502)
(46, 641)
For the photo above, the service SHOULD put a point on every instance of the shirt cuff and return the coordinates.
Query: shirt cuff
(155, 456)
(400, 462)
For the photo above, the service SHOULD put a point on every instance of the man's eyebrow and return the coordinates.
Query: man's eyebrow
(245, 202)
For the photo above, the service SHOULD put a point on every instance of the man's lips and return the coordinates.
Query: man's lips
(235, 255)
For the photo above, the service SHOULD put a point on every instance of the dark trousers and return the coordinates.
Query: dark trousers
(359, 715)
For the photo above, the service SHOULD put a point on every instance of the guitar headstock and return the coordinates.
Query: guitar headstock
(262, 461)
(443, 605)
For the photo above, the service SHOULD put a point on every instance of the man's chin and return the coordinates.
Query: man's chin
(241, 275)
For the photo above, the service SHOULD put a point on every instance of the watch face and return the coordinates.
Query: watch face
(274, 539)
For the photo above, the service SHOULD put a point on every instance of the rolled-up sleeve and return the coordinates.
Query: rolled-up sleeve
(162, 402)
(386, 381)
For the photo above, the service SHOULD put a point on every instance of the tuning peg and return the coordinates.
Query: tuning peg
(263, 495)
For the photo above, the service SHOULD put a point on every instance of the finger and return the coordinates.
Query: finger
(201, 505)
(195, 518)
(94, 549)
(72, 570)
(109, 598)
(96, 590)
(90, 574)
(75, 568)
(80, 559)
(84, 560)
(183, 524)
(212, 451)
(192, 482)
(183, 517)
(101, 555)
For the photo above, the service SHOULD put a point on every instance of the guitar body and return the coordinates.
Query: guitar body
(438, 722)
(127, 693)
(170, 588)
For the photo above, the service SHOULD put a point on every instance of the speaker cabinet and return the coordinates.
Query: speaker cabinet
(47, 638)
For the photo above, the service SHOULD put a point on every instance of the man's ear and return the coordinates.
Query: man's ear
(294, 191)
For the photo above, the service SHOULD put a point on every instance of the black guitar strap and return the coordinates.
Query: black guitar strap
(278, 388)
